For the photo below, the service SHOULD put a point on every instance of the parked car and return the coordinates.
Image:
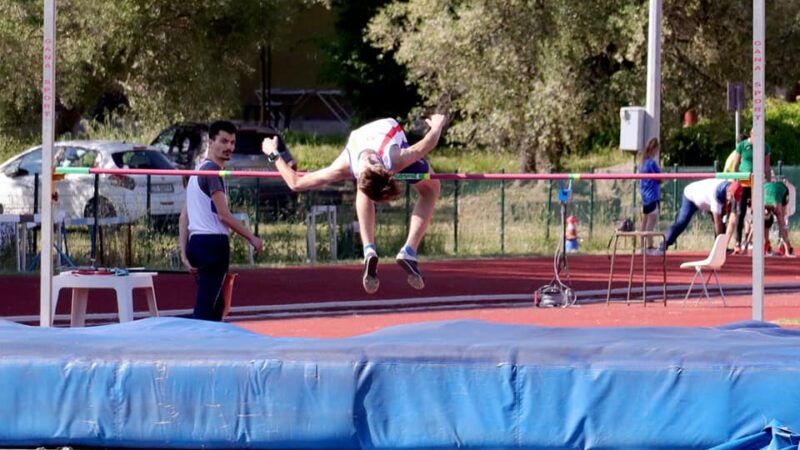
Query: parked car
(118, 195)
(186, 143)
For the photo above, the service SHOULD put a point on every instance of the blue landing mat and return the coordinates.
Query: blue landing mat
(167, 382)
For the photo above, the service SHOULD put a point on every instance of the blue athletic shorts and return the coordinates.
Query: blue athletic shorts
(647, 208)
(572, 245)
(420, 166)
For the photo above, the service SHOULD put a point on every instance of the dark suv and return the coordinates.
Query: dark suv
(185, 144)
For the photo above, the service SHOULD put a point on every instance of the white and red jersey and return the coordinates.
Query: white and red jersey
(384, 136)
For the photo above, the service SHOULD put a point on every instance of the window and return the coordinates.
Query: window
(249, 143)
(76, 157)
(141, 159)
(32, 162)
(164, 139)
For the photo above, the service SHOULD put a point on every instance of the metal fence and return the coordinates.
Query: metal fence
(472, 219)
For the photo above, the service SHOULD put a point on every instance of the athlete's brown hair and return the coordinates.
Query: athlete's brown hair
(378, 184)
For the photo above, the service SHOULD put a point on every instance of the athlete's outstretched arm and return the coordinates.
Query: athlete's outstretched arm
(418, 151)
(338, 170)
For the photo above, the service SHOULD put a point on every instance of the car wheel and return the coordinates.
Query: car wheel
(105, 209)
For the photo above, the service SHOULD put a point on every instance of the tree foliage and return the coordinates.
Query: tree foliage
(374, 83)
(543, 76)
(159, 56)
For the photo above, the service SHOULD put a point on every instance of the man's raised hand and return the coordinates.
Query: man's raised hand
(269, 145)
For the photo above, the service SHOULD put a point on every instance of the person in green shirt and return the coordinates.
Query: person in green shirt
(743, 162)
(776, 199)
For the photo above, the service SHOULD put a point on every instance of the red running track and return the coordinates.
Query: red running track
(277, 288)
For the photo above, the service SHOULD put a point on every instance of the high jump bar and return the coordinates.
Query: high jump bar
(422, 176)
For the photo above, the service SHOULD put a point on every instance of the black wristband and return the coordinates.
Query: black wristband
(272, 157)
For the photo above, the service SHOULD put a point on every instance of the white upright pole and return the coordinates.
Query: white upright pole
(738, 126)
(48, 120)
(759, 110)
(653, 106)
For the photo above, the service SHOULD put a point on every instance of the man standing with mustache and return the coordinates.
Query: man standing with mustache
(205, 224)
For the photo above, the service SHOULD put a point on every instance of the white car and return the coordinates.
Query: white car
(118, 195)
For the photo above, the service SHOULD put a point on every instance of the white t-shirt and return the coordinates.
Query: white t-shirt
(201, 211)
(705, 194)
(384, 136)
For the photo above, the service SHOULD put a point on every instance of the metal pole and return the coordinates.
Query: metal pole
(757, 198)
(547, 211)
(408, 208)
(653, 102)
(455, 218)
(591, 205)
(48, 136)
(738, 126)
(30, 239)
(502, 215)
(418, 176)
(257, 194)
(269, 85)
(262, 111)
(95, 203)
(149, 187)
(675, 190)
(633, 183)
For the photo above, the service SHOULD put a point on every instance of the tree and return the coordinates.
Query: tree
(163, 58)
(707, 43)
(373, 82)
(542, 76)
(518, 74)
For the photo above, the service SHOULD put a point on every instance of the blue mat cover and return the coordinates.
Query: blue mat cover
(179, 383)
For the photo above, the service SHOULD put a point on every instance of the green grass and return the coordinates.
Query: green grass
(474, 231)
(601, 158)
(314, 154)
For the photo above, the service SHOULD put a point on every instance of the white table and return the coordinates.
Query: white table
(122, 285)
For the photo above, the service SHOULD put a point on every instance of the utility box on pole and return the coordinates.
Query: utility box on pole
(631, 133)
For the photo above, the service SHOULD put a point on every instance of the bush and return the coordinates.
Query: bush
(783, 132)
(698, 145)
(710, 139)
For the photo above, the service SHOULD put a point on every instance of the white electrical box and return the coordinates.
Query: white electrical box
(631, 131)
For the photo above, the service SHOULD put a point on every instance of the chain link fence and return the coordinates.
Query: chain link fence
(472, 219)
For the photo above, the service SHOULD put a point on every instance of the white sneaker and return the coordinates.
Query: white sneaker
(654, 252)
(409, 264)
(370, 281)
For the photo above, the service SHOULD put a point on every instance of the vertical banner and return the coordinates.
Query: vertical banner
(757, 199)
(48, 122)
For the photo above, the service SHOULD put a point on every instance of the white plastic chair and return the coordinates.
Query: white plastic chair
(714, 262)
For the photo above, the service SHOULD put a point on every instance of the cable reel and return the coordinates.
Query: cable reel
(557, 294)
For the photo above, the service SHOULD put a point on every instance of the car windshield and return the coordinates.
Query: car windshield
(141, 159)
(249, 143)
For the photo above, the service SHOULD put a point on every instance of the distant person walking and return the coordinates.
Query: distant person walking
(650, 190)
(205, 223)
(743, 162)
